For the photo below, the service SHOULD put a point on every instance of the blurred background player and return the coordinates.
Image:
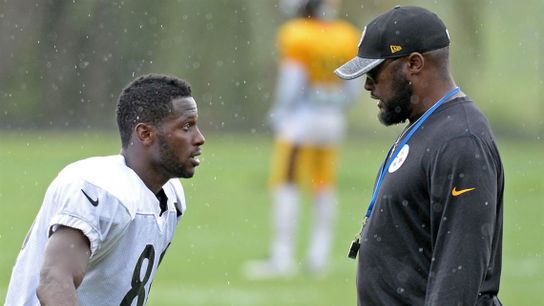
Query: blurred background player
(308, 119)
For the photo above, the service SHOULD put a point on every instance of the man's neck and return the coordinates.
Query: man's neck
(430, 98)
(151, 178)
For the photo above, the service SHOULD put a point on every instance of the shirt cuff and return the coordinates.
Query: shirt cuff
(74, 222)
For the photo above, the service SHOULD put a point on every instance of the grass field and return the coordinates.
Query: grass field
(227, 221)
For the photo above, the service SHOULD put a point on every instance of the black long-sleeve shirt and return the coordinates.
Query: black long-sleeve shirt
(435, 233)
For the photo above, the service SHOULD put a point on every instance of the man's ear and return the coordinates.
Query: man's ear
(416, 62)
(145, 133)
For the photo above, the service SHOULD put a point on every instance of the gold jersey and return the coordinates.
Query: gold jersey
(319, 46)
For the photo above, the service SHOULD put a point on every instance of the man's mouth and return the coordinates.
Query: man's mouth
(195, 160)
(379, 103)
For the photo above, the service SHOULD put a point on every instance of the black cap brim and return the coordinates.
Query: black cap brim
(356, 67)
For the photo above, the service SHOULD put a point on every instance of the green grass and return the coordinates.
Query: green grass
(227, 221)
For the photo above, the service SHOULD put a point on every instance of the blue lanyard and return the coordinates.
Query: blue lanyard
(396, 151)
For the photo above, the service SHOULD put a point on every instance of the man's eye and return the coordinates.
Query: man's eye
(189, 125)
(372, 74)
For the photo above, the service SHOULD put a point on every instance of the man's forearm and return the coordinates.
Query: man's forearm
(56, 288)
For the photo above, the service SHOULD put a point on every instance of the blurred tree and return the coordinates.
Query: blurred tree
(540, 81)
(64, 62)
(468, 22)
(20, 22)
(362, 12)
(84, 53)
(226, 50)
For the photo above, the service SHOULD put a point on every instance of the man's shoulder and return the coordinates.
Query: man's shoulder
(457, 125)
(92, 166)
(107, 175)
(295, 23)
(457, 118)
(293, 33)
(108, 172)
(300, 28)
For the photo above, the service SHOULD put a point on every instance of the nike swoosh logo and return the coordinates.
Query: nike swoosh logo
(93, 202)
(455, 192)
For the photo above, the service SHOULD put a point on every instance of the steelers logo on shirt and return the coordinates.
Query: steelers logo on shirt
(399, 160)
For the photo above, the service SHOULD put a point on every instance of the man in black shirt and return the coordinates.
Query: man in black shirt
(434, 229)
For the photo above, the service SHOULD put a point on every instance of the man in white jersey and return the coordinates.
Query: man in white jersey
(106, 222)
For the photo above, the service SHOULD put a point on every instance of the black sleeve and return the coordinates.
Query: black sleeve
(463, 190)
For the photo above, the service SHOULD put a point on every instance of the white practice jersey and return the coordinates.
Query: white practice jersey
(122, 219)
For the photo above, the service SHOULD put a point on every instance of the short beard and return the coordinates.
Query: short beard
(398, 108)
(169, 161)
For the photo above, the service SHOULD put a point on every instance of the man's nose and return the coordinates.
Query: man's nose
(199, 138)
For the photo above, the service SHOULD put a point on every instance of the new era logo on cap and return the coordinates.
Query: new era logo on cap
(396, 33)
(395, 49)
